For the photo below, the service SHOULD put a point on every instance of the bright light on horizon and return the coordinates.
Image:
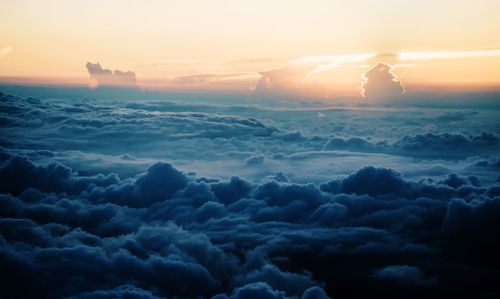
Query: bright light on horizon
(193, 44)
(431, 55)
(335, 59)
(330, 62)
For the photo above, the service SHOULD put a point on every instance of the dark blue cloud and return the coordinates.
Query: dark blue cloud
(374, 181)
(404, 274)
(18, 173)
(87, 211)
(264, 291)
(234, 232)
(492, 163)
(160, 182)
(429, 146)
(232, 190)
(255, 290)
(252, 161)
(124, 291)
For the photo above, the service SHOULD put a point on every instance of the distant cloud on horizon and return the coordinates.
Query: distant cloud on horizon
(381, 83)
(285, 82)
(106, 77)
(316, 76)
(203, 79)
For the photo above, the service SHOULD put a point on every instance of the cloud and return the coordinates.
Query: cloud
(373, 181)
(123, 291)
(155, 199)
(264, 291)
(290, 283)
(205, 79)
(94, 136)
(432, 55)
(194, 236)
(404, 275)
(433, 146)
(160, 182)
(492, 163)
(329, 62)
(256, 160)
(297, 79)
(255, 290)
(381, 83)
(453, 116)
(287, 82)
(105, 77)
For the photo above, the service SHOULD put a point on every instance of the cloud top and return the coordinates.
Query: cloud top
(381, 83)
(106, 77)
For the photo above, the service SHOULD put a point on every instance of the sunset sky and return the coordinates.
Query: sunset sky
(235, 149)
(223, 45)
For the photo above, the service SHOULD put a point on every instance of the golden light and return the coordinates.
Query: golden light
(447, 54)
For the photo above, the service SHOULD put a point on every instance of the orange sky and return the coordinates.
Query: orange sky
(321, 46)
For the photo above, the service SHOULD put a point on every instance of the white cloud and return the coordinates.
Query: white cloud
(381, 83)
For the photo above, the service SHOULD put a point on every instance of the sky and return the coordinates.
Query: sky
(259, 149)
(225, 45)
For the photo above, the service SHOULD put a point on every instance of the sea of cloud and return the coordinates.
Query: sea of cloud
(186, 199)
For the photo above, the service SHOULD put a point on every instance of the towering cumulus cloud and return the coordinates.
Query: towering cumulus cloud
(105, 77)
(381, 83)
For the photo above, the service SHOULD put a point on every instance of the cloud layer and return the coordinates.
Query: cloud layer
(157, 199)
(166, 234)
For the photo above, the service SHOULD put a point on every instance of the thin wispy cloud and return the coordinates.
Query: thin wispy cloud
(432, 55)
(210, 78)
(329, 62)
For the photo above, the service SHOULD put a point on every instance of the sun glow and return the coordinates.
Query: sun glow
(447, 54)
(206, 45)
(329, 62)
